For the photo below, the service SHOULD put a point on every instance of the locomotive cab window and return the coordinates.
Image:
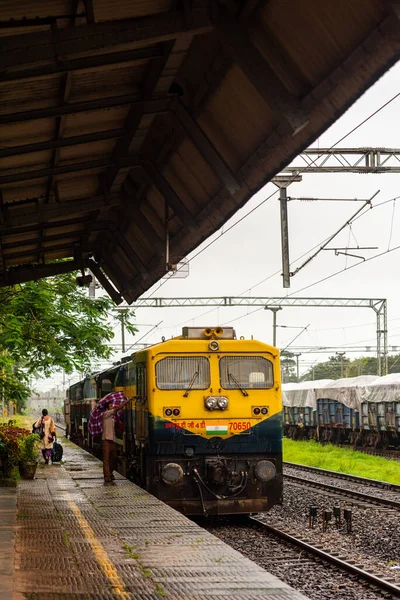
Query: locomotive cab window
(131, 375)
(89, 390)
(183, 372)
(120, 378)
(248, 372)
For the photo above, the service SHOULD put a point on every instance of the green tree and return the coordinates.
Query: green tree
(331, 369)
(366, 365)
(288, 364)
(14, 382)
(51, 325)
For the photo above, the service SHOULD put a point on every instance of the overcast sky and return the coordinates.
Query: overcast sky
(247, 259)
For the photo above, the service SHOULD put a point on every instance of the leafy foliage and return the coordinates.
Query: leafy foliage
(14, 381)
(10, 438)
(288, 364)
(52, 324)
(332, 368)
(28, 447)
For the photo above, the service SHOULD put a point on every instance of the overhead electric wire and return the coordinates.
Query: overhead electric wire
(223, 232)
(362, 262)
(391, 224)
(277, 190)
(295, 338)
(144, 336)
(345, 268)
(294, 261)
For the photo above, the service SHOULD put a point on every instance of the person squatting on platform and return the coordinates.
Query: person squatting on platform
(46, 423)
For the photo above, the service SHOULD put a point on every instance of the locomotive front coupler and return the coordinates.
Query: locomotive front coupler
(244, 480)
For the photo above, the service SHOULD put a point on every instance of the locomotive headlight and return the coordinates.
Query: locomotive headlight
(222, 402)
(172, 474)
(211, 402)
(265, 470)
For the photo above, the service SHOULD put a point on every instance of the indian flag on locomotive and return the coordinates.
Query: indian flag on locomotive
(214, 429)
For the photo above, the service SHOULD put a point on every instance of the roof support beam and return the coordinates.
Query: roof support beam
(206, 148)
(107, 285)
(135, 115)
(97, 136)
(38, 214)
(41, 239)
(35, 272)
(71, 41)
(37, 226)
(131, 125)
(113, 229)
(89, 11)
(248, 9)
(168, 192)
(80, 166)
(64, 96)
(85, 62)
(238, 44)
(38, 252)
(150, 107)
(134, 213)
(113, 270)
(212, 79)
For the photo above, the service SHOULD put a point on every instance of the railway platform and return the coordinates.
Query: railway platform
(69, 536)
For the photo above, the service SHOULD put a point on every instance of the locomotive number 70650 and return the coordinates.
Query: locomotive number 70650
(239, 425)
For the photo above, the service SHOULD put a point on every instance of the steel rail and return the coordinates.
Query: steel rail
(344, 492)
(382, 584)
(346, 476)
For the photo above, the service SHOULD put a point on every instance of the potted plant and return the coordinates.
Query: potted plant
(9, 449)
(28, 458)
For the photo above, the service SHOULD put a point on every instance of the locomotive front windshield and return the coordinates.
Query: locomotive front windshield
(246, 372)
(181, 372)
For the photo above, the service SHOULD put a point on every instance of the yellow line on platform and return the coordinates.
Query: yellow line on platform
(102, 557)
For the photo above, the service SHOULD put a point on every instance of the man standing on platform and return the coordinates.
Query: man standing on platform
(108, 437)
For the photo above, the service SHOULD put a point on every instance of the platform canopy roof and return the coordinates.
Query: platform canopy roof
(120, 121)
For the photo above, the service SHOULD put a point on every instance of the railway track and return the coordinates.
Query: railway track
(349, 493)
(358, 489)
(327, 556)
(345, 476)
(314, 569)
(388, 454)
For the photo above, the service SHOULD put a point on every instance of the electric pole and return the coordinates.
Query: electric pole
(274, 310)
(297, 354)
(341, 354)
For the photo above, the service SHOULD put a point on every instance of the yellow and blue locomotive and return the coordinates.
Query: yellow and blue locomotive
(205, 431)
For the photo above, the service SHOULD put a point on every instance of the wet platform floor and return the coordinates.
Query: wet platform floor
(77, 538)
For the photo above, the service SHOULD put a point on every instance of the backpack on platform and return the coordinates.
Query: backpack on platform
(57, 452)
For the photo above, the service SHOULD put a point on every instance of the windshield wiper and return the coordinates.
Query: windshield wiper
(186, 394)
(241, 388)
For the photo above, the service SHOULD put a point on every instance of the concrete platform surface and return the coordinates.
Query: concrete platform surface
(77, 538)
(8, 505)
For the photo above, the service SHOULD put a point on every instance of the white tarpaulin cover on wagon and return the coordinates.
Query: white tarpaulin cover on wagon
(348, 390)
(303, 393)
(383, 389)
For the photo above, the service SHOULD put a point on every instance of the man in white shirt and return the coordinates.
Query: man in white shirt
(108, 441)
